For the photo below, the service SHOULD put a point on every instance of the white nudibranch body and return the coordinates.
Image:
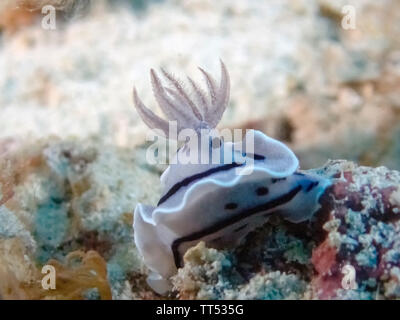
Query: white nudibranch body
(213, 202)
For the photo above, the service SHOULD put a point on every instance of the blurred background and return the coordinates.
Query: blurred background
(297, 72)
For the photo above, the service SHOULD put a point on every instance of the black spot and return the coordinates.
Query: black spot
(274, 180)
(262, 191)
(253, 155)
(231, 206)
(258, 157)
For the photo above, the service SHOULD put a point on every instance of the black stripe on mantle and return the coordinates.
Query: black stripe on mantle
(183, 183)
(232, 220)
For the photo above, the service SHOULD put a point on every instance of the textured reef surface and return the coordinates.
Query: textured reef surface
(70, 203)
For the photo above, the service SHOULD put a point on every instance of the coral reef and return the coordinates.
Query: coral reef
(69, 204)
(362, 231)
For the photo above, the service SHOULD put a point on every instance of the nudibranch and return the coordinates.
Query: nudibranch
(211, 202)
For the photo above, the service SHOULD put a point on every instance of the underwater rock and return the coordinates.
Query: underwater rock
(362, 230)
